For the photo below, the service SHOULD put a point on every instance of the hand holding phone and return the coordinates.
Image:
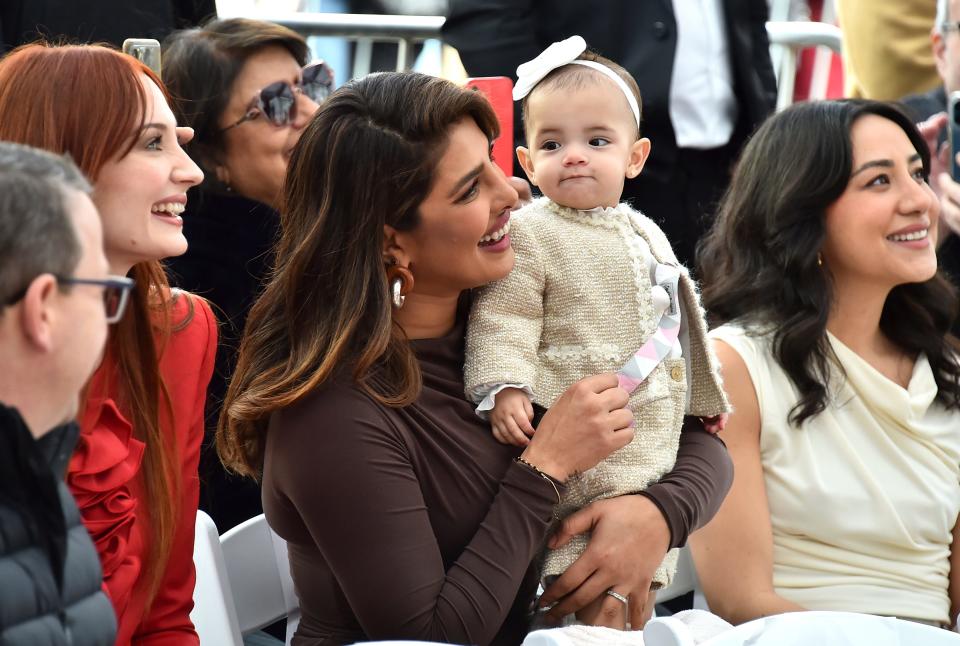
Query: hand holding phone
(146, 50)
(498, 90)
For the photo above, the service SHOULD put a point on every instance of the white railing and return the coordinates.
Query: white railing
(786, 38)
(364, 28)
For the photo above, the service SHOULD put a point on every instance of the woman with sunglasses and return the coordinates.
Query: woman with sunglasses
(134, 472)
(243, 88)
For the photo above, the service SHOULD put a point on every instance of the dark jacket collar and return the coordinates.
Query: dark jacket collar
(31, 473)
(50, 453)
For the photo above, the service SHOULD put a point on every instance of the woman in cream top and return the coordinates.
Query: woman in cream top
(863, 498)
(845, 433)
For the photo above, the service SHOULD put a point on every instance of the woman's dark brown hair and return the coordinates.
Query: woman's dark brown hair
(759, 262)
(200, 67)
(97, 123)
(367, 159)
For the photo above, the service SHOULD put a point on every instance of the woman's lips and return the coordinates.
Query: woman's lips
(496, 235)
(499, 223)
(497, 238)
(169, 209)
(169, 218)
(500, 245)
(913, 238)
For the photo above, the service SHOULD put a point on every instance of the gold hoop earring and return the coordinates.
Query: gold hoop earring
(401, 283)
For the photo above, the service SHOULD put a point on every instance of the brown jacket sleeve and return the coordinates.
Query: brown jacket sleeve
(352, 477)
(691, 493)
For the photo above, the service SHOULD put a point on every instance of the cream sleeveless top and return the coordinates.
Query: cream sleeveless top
(864, 496)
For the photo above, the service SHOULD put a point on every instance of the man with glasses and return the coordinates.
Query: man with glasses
(945, 39)
(55, 301)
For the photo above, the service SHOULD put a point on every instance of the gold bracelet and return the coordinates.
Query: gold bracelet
(541, 474)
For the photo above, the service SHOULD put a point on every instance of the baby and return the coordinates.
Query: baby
(596, 287)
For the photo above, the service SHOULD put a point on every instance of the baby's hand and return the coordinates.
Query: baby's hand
(715, 424)
(511, 416)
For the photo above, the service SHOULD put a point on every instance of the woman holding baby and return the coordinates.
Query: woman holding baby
(404, 516)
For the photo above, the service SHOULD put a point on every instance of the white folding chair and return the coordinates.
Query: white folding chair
(259, 573)
(786, 41)
(684, 581)
(214, 614)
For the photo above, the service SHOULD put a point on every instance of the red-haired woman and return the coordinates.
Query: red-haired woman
(134, 473)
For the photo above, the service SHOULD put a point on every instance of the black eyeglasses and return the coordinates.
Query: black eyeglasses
(278, 102)
(116, 292)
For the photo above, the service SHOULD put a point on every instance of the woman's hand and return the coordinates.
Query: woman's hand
(946, 188)
(586, 424)
(930, 131)
(949, 205)
(629, 539)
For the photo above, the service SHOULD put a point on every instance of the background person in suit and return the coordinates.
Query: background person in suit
(704, 71)
(885, 53)
(93, 21)
(929, 107)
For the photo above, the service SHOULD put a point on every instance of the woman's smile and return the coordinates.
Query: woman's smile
(498, 238)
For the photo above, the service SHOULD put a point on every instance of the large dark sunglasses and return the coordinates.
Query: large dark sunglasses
(116, 292)
(278, 102)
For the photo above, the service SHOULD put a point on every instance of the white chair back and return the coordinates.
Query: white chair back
(786, 41)
(684, 581)
(214, 614)
(259, 573)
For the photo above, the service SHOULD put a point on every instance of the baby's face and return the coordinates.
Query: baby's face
(581, 144)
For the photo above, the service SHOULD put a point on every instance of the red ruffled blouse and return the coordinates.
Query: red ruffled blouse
(103, 478)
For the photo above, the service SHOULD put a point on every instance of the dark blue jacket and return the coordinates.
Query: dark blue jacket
(50, 577)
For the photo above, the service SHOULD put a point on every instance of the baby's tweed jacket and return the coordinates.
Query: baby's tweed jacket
(578, 303)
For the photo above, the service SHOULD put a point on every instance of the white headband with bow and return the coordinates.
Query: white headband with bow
(562, 53)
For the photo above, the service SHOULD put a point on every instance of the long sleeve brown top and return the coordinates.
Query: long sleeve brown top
(414, 523)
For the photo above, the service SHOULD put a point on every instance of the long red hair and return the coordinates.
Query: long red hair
(87, 101)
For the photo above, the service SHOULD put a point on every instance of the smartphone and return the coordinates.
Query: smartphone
(146, 50)
(953, 134)
(499, 91)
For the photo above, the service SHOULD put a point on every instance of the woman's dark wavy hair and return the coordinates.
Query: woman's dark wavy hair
(759, 262)
(367, 159)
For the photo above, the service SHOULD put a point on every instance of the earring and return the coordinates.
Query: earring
(223, 176)
(819, 260)
(401, 282)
